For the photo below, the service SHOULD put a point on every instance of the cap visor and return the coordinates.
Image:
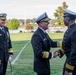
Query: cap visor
(46, 19)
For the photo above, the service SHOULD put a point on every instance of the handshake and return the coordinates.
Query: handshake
(55, 53)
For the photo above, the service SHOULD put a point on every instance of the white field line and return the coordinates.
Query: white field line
(20, 53)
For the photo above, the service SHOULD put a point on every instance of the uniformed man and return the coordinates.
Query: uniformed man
(5, 44)
(69, 43)
(41, 44)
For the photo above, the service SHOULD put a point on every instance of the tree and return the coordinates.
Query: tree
(59, 13)
(28, 26)
(33, 20)
(13, 24)
(30, 20)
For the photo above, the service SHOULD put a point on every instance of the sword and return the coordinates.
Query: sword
(11, 67)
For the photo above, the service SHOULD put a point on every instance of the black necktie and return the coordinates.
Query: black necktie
(46, 35)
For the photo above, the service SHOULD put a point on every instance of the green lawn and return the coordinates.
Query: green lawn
(24, 65)
(21, 36)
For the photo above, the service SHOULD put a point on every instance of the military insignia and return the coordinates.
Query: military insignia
(44, 39)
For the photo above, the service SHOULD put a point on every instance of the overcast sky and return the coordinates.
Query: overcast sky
(23, 9)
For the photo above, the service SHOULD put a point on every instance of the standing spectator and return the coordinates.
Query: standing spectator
(5, 45)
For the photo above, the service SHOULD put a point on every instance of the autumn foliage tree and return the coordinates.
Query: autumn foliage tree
(59, 13)
(29, 26)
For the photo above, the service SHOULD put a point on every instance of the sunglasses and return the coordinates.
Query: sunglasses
(44, 21)
(3, 19)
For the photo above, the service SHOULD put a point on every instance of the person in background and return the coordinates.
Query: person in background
(6, 51)
(42, 44)
(69, 43)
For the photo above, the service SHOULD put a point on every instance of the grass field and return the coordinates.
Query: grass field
(24, 64)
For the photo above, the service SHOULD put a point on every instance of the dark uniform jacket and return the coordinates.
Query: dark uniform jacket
(69, 47)
(5, 44)
(41, 45)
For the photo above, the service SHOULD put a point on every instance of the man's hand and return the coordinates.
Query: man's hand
(67, 73)
(55, 53)
(10, 57)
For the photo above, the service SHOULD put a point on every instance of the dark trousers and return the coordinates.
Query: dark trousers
(43, 74)
(3, 67)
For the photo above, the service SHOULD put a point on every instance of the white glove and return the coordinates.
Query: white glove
(70, 73)
(10, 58)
